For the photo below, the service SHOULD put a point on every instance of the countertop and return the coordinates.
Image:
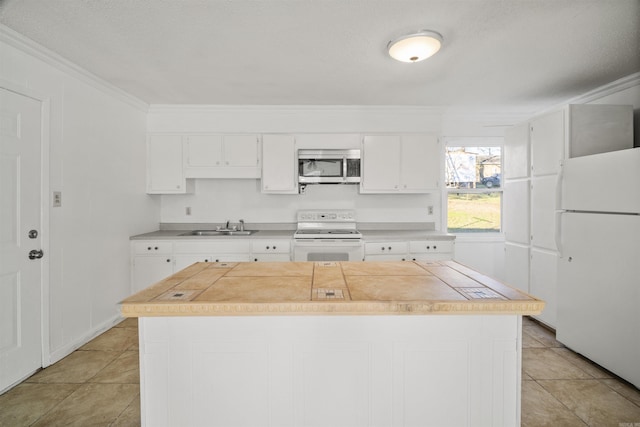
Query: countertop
(328, 288)
(367, 235)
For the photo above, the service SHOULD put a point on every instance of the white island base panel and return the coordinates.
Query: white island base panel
(413, 370)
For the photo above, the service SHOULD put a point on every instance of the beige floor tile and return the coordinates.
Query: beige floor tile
(115, 339)
(594, 402)
(541, 409)
(544, 363)
(123, 370)
(583, 363)
(542, 334)
(528, 341)
(626, 390)
(25, 403)
(78, 367)
(129, 322)
(130, 417)
(91, 405)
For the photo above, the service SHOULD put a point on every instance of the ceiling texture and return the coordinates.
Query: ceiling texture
(496, 53)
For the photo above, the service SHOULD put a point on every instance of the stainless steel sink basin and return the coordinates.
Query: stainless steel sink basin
(219, 233)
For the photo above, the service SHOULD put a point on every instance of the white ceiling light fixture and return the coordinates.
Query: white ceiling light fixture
(415, 47)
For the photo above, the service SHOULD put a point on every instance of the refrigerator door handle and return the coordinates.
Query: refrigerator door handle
(558, 211)
(558, 232)
(559, 187)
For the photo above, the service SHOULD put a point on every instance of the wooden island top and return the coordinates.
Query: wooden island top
(325, 288)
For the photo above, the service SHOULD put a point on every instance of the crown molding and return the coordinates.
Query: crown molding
(599, 92)
(212, 108)
(30, 47)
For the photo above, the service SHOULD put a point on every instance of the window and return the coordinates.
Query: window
(474, 185)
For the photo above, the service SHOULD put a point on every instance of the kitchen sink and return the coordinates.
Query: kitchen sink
(219, 233)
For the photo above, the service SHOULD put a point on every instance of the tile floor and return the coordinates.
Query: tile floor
(98, 385)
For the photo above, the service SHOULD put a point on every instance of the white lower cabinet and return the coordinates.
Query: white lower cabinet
(211, 251)
(516, 266)
(413, 250)
(246, 371)
(385, 251)
(430, 250)
(151, 262)
(271, 250)
(544, 283)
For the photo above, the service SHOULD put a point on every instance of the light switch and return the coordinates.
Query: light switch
(57, 199)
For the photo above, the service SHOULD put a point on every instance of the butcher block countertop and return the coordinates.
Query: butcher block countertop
(328, 288)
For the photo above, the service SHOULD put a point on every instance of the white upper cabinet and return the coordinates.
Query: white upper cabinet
(222, 156)
(420, 164)
(279, 166)
(396, 164)
(547, 143)
(380, 164)
(516, 152)
(578, 130)
(165, 173)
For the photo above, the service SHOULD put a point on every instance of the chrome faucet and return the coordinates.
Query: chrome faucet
(226, 227)
(241, 224)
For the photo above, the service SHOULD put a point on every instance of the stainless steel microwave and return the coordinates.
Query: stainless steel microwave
(328, 166)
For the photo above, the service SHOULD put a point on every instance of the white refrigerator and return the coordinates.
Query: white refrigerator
(599, 267)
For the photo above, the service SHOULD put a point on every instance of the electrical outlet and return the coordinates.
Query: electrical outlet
(187, 210)
(57, 199)
(430, 210)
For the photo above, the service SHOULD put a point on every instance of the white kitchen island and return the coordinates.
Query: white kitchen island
(330, 344)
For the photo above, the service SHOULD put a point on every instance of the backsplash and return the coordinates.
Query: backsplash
(218, 200)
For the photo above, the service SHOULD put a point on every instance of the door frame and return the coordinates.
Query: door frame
(45, 139)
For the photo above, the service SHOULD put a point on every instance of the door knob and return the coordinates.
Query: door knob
(36, 254)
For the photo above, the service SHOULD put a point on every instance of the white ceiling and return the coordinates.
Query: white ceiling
(499, 53)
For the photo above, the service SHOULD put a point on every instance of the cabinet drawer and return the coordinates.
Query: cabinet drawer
(382, 248)
(220, 246)
(152, 247)
(271, 246)
(430, 246)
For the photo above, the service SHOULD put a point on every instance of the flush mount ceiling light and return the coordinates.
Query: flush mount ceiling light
(415, 47)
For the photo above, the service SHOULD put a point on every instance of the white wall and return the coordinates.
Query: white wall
(96, 150)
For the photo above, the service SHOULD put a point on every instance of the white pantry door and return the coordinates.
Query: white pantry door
(20, 234)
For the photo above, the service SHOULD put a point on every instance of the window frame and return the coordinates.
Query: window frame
(467, 141)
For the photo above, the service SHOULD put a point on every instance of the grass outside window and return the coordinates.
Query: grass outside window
(474, 212)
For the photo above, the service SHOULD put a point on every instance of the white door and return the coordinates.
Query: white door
(20, 234)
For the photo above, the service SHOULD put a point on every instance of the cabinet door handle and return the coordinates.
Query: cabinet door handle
(168, 260)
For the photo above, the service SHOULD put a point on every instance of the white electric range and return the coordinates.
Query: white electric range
(327, 235)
